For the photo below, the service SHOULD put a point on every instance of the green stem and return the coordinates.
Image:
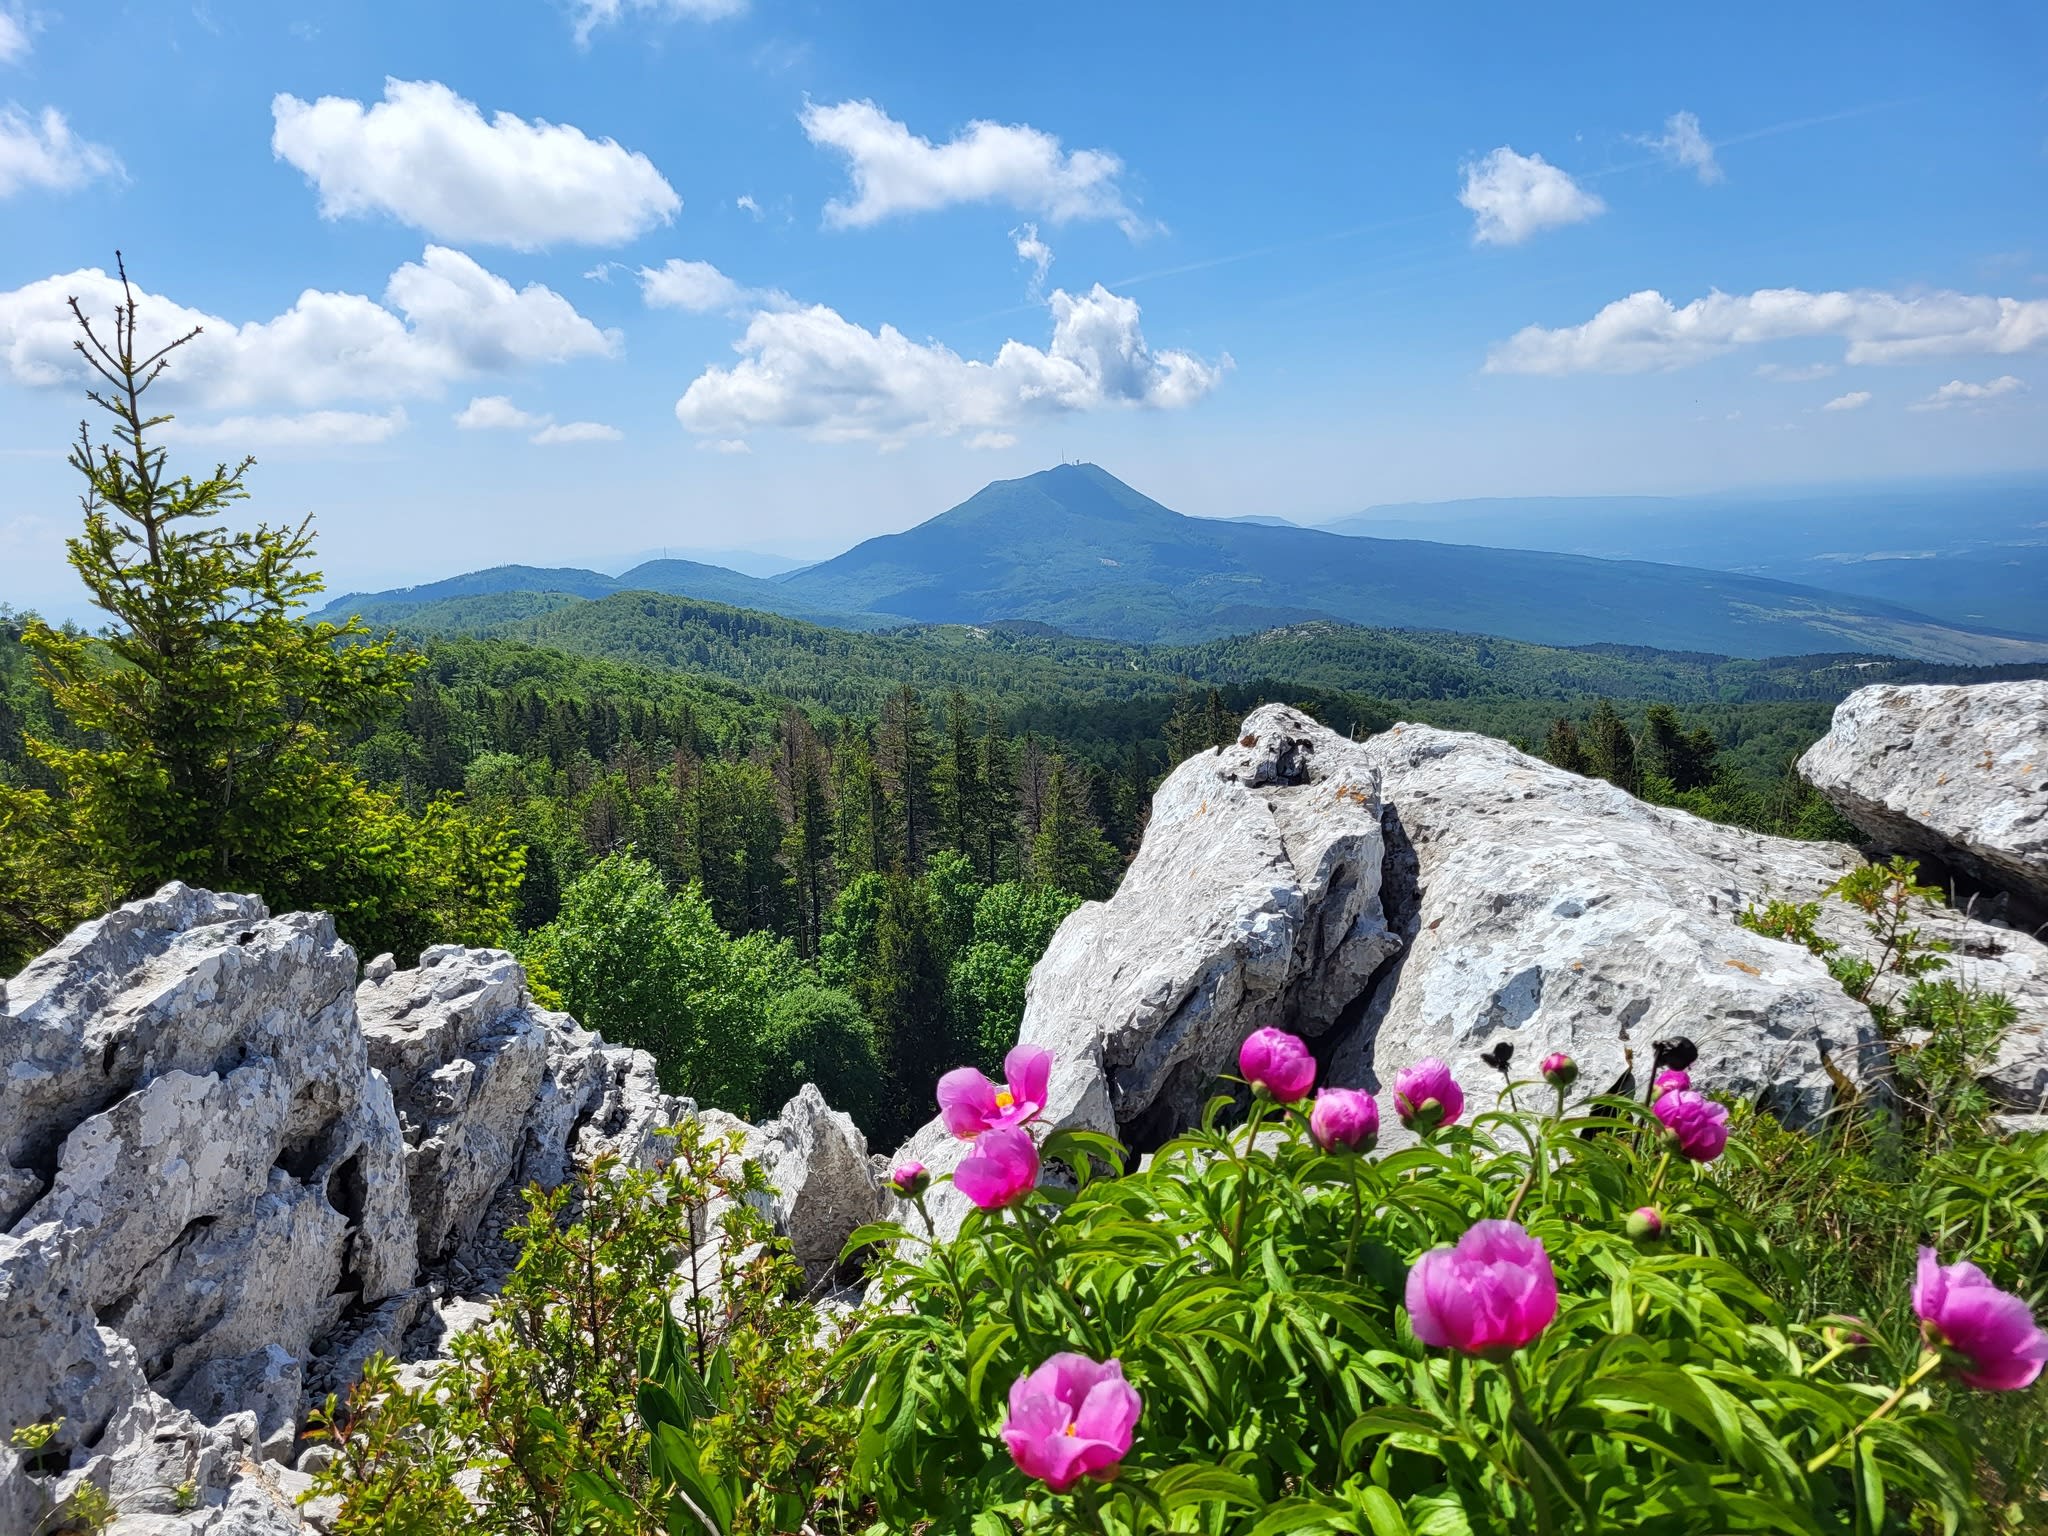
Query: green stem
(1244, 1182)
(1357, 1212)
(1927, 1364)
(1657, 1178)
(1542, 1462)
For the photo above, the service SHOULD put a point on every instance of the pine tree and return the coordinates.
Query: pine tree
(802, 773)
(996, 816)
(860, 826)
(1610, 750)
(210, 722)
(739, 833)
(959, 787)
(1070, 853)
(906, 755)
(1563, 748)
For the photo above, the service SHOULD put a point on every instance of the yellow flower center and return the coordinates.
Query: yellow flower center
(1004, 1100)
(1070, 1429)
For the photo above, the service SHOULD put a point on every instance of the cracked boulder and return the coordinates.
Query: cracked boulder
(1953, 774)
(1554, 912)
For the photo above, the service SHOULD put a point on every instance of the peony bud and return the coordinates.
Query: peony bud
(1645, 1223)
(1427, 1096)
(1344, 1118)
(1559, 1070)
(909, 1179)
(1277, 1063)
(1671, 1081)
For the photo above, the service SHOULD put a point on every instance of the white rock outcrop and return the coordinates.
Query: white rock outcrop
(1952, 773)
(225, 1170)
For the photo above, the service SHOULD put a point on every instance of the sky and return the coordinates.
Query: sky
(570, 281)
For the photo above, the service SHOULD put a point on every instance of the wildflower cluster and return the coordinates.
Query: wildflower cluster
(1516, 1323)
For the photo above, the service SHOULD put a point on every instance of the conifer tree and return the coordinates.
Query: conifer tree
(906, 755)
(996, 816)
(807, 846)
(1070, 853)
(1563, 748)
(959, 786)
(210, 720)
(1610, 750)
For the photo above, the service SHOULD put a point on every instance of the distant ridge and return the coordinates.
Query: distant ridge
(1075, 548)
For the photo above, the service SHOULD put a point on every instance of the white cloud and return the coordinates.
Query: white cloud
(702, 289)
(592, 14)
(1515, 196)
(1958, 392)
(746, 204)
(895, 171)
(577, 432)
(42, 151)
(1647, 331)
(13, 38)
(993, 440)
(1794, 373)
(813, 370)
(496, 413)
(1034, 250)
(309, 429)
(1855, 400)
(1684, 145)
(443, 318)
(724, 445)
(428, 158)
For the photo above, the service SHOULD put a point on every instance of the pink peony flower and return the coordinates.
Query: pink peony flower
(1278, 1062)
(1001, 1170)
(970, 1104)
(1489, 1295)
(910, 1179)
(1697, 1124)
(1671, 1081)
(1071, 1418)
(1992, 1340)
(1427, 1096)
(1646, 1223)
(1344, 1117)
(1559, 1070)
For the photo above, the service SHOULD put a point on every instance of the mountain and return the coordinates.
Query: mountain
(1075, 547)
(1972, 552)
(481, 599)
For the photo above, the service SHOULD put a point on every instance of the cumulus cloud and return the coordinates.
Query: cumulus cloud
(1855, 400)
(42, 151)
(592, 14)
(1515, 196)
(496, 413)
(895, 171)
(443, 318)
(13, 38)
(725, 445)
(428, 158)
(308, 429)
(1646, 331)
(1682, 144)
(577, 432)
(993, 440)
(811, 369)
(1034, 250)
(746, 204)
(1959, 392)
(702, 289)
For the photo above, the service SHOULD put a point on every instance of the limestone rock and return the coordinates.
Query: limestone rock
(458, 1040)
(214, 1167)
(816, 1160)
(1951, 773)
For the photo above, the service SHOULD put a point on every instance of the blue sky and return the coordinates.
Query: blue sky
(561, 281)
